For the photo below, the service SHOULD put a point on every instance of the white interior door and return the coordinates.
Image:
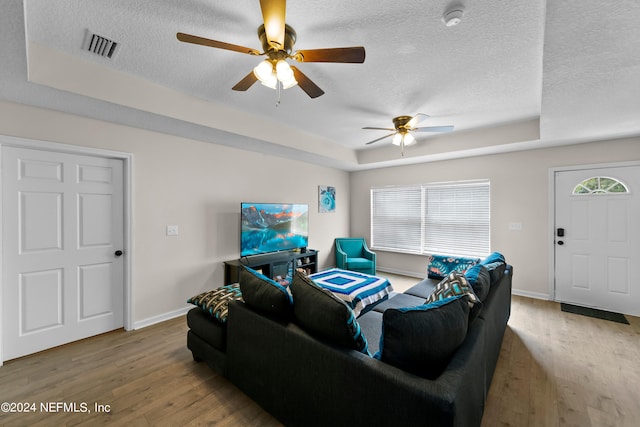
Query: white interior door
(597, 257)
(62, 223)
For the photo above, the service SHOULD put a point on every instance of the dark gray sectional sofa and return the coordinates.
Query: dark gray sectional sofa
(304, 379)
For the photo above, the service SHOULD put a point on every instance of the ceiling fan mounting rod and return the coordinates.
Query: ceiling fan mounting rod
(271, 47)
(402, 122)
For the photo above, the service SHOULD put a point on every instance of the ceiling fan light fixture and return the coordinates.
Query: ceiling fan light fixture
(286, 84)
(408, 139)
(283, 70)
(264, 70)
(403, 139)
(271, 81)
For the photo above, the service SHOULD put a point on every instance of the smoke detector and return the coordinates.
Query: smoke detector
(453, 16)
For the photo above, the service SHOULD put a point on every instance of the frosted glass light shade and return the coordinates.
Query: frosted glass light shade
(283, 71)
(263, 70)
(409, 139)
(271, 81)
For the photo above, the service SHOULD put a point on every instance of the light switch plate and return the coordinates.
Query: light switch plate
(172, 230)
(516, 226)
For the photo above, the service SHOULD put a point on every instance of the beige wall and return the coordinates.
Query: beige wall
(197, 186)
(519, 193)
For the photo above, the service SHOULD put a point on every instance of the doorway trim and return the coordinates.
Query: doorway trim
(552, 212)
(127, 170)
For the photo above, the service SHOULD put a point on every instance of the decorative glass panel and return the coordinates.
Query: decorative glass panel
(600, 185)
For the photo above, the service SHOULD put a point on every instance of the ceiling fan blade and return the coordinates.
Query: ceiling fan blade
(246, 83)
(188, 38)
(381, 138)
(416, 119)
(306, 84)
(353, 55)
(273, 14)
(434, 129)
(368, 127)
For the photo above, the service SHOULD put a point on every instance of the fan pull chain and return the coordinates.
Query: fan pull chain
(279, 93)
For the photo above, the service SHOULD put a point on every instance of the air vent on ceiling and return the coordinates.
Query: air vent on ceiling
(100, 45)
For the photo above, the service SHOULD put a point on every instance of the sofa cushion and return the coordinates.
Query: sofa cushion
(265, 295)
(215, 302)
(371, 327)
(398, 301)
(422, 339)
(480, 280)
(422, 289)
(323, 314)
(439, 266)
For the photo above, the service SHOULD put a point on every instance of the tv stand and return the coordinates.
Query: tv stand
(272, 265)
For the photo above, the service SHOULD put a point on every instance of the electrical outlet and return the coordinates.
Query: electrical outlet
(515, 226)
(172, 230)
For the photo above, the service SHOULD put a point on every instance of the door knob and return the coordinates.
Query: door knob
(118, 252)
(560, 242)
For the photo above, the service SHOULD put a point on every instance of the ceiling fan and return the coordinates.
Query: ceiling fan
(277, 40)
(403, 126)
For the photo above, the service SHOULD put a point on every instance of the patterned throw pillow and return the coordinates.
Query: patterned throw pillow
(216, 302)
(439, 266)
(456, 284)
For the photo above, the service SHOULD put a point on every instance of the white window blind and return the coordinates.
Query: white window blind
(396, 218)
(448, 218)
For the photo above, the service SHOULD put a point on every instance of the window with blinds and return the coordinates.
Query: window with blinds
(445, 218)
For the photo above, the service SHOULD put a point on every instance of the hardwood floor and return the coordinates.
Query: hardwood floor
(562, 369)
(555, 369)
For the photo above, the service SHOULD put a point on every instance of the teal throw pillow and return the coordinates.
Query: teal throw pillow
(439, 266)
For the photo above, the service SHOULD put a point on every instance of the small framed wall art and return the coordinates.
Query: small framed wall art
(326, 199)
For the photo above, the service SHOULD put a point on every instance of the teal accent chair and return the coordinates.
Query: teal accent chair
(354, 255)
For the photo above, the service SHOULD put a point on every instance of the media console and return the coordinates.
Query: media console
(272, 265)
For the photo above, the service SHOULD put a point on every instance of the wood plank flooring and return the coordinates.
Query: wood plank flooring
(555, 369)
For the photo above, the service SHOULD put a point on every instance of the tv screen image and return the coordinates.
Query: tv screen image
(273, 227)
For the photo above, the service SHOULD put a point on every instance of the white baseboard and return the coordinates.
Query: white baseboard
(529, 294)
(161, 317)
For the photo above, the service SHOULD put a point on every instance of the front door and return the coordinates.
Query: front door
(62, 230)
(597, 241)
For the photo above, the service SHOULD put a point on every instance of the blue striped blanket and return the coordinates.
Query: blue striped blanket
(358, 290)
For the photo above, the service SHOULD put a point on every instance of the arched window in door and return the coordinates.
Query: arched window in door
(600, 185)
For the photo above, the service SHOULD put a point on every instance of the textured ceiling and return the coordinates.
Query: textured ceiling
(569, 70)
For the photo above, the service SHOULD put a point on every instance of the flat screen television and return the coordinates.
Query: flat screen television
(273, 227)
